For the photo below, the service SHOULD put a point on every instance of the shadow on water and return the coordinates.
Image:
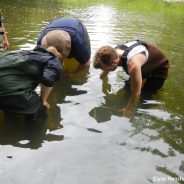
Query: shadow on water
(115, 102)
(150, 144)
(147, 115)
(18, 131)
(150, 121)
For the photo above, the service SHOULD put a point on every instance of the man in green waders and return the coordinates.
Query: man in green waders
(21, 72)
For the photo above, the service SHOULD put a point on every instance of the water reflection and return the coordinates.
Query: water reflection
(126, 150)
(103, 31)
(20, 132)
(116, 93)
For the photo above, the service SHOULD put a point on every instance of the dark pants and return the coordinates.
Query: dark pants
(39, 114)
(28, 104)
(155, 80)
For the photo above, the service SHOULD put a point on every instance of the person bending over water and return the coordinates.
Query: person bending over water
(72, 33)
(140, 60)
(21, 72)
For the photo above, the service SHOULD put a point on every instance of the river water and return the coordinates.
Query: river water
(85, 139)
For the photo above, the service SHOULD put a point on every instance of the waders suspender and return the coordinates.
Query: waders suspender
(127, 50)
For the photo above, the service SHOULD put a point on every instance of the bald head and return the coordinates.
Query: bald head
(59, 39)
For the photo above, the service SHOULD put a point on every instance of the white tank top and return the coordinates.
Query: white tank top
(136, 50)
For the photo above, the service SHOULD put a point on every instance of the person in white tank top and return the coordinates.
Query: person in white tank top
(140, 61)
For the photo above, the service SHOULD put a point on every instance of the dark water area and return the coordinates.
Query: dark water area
(85, 139)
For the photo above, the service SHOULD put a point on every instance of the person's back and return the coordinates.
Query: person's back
(20, 74)
(156, 59)
(70, 25)
(80, 42)
(15, 69)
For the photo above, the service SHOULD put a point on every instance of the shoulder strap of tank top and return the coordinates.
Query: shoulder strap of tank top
(127, 50)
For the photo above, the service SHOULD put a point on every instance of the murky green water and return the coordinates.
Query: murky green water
(85, 139)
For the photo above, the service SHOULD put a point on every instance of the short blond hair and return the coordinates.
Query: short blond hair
(105, 55)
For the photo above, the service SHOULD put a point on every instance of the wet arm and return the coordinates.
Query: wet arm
(134, 70)
(5, 39)
(45, 92)
(103, 74)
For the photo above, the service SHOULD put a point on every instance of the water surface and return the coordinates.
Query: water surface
(86, 139)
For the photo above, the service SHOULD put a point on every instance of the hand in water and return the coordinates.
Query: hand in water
(46, 104)
(127, 112)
